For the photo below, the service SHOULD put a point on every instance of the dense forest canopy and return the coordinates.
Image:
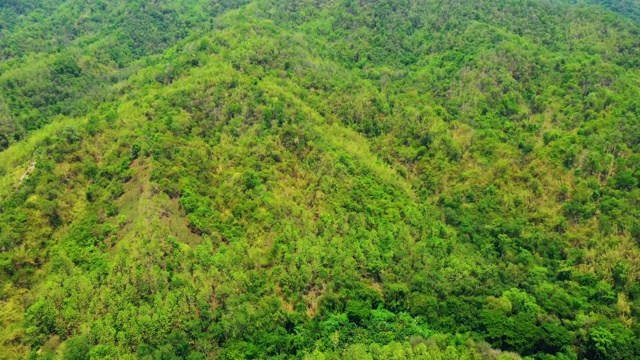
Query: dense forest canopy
(319, 179)
(626, 8)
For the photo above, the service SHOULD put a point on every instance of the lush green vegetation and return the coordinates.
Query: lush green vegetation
(63, 57)
(319, 179)
(627, 8)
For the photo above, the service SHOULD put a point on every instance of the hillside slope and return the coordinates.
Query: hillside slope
(62, 57)
(320, 179)
(626, 8)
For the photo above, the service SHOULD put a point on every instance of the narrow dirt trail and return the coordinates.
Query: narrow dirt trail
(26, 174)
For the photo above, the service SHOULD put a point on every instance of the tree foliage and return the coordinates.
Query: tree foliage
(319, 179)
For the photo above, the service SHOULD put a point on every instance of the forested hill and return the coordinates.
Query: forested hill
(627, 8)
(61, 57)
(319, 180)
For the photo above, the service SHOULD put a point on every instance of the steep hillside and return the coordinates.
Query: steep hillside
(321, 179)
(626, 8)
(62, 57)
